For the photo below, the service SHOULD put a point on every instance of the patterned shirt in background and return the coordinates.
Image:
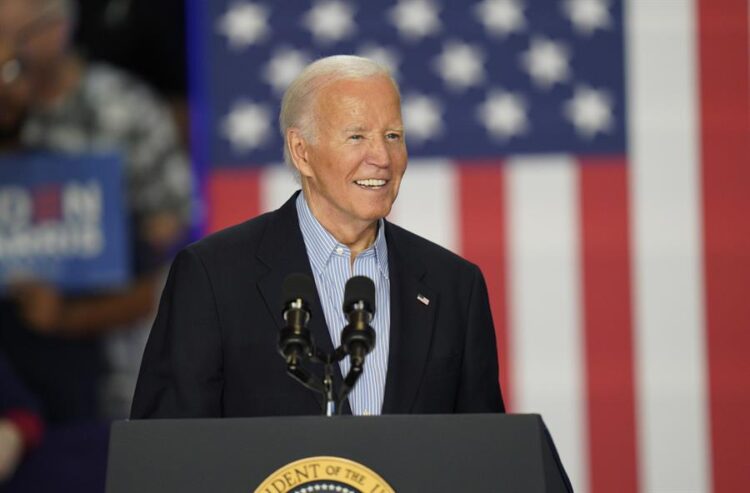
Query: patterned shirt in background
(112, 111)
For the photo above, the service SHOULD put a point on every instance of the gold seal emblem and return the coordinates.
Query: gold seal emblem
(324, 475)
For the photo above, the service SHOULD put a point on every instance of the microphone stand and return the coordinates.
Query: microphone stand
(332, 403)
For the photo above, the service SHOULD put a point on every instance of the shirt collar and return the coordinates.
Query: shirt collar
(321, 244)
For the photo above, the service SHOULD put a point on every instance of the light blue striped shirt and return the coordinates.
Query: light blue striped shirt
(331, 266)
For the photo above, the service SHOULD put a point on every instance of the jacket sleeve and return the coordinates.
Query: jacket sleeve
(479, 388)
(181, 372)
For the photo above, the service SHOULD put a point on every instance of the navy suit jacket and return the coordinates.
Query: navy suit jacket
(212, 349)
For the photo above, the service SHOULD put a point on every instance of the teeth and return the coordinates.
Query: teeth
(370, 183)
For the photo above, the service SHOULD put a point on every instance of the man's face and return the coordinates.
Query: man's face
(37, 35)
(357, 157)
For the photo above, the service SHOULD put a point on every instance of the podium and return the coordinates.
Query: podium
(402, 453)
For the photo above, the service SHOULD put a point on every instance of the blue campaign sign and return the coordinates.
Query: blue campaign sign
(63, 220)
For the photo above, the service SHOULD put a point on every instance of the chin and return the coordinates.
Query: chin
(372, 210)
(374, 214)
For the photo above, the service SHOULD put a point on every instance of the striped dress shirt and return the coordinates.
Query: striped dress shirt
(331, 266)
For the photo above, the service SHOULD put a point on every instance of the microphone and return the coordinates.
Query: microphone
(358, 338)
(295, 342)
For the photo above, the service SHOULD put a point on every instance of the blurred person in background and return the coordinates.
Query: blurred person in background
(61, 103)
(19, 412)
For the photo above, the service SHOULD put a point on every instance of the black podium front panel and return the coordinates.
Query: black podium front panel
(413, 454)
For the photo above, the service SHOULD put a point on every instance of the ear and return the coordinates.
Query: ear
(299, 151)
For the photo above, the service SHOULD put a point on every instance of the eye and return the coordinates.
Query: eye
(356, 137)
(393, 136)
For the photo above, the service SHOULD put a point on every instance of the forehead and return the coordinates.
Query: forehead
(16, 14)
(358, 98)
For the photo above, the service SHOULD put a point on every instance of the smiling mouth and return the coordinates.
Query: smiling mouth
(371, 184)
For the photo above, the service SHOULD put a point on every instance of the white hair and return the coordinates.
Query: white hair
(299, 98)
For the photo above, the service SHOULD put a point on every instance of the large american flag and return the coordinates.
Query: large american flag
(592, 156)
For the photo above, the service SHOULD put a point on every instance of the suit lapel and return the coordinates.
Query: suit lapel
(282, 250)
(412, 325)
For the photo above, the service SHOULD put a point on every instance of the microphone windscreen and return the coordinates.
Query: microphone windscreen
(297, 286)
(359, 288)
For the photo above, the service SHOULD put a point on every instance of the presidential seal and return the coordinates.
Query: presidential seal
(324, 475)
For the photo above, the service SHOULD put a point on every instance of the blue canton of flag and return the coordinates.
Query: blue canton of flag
(478, 79)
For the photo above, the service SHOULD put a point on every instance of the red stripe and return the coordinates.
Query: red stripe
(482, 241)
(608, 325)
(725, 133)
(233, 197)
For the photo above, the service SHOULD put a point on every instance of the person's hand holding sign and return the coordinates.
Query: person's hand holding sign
(40, 305)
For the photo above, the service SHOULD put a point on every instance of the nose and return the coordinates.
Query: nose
(377, 154)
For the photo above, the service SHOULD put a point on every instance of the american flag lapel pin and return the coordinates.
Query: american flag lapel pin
(423, 299)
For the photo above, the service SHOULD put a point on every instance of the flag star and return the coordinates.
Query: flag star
(461, 65)
(501, 17)
(590, 110)
(588, 15)
(503, 113)
(285, 64)
(247, 126)
(415, 19)
(330, 21)
(244, 24)
(384, 56)
(547, 62)
(423, 118)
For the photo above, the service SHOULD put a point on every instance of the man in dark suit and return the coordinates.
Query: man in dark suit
(212, 350)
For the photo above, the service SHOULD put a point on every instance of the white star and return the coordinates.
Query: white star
(330, 21)
(384, 56)
(501, 17)
(415, 19)
(461, 65)
(423, 118)
(244, 24)
(588, 15)
(590, 111)
(247, 126)
(547, 62)
(285, 64)
(503, 113)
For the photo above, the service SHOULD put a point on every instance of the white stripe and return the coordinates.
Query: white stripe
(276, 186)
(427, 202)
(669, 336)
(545, 302)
